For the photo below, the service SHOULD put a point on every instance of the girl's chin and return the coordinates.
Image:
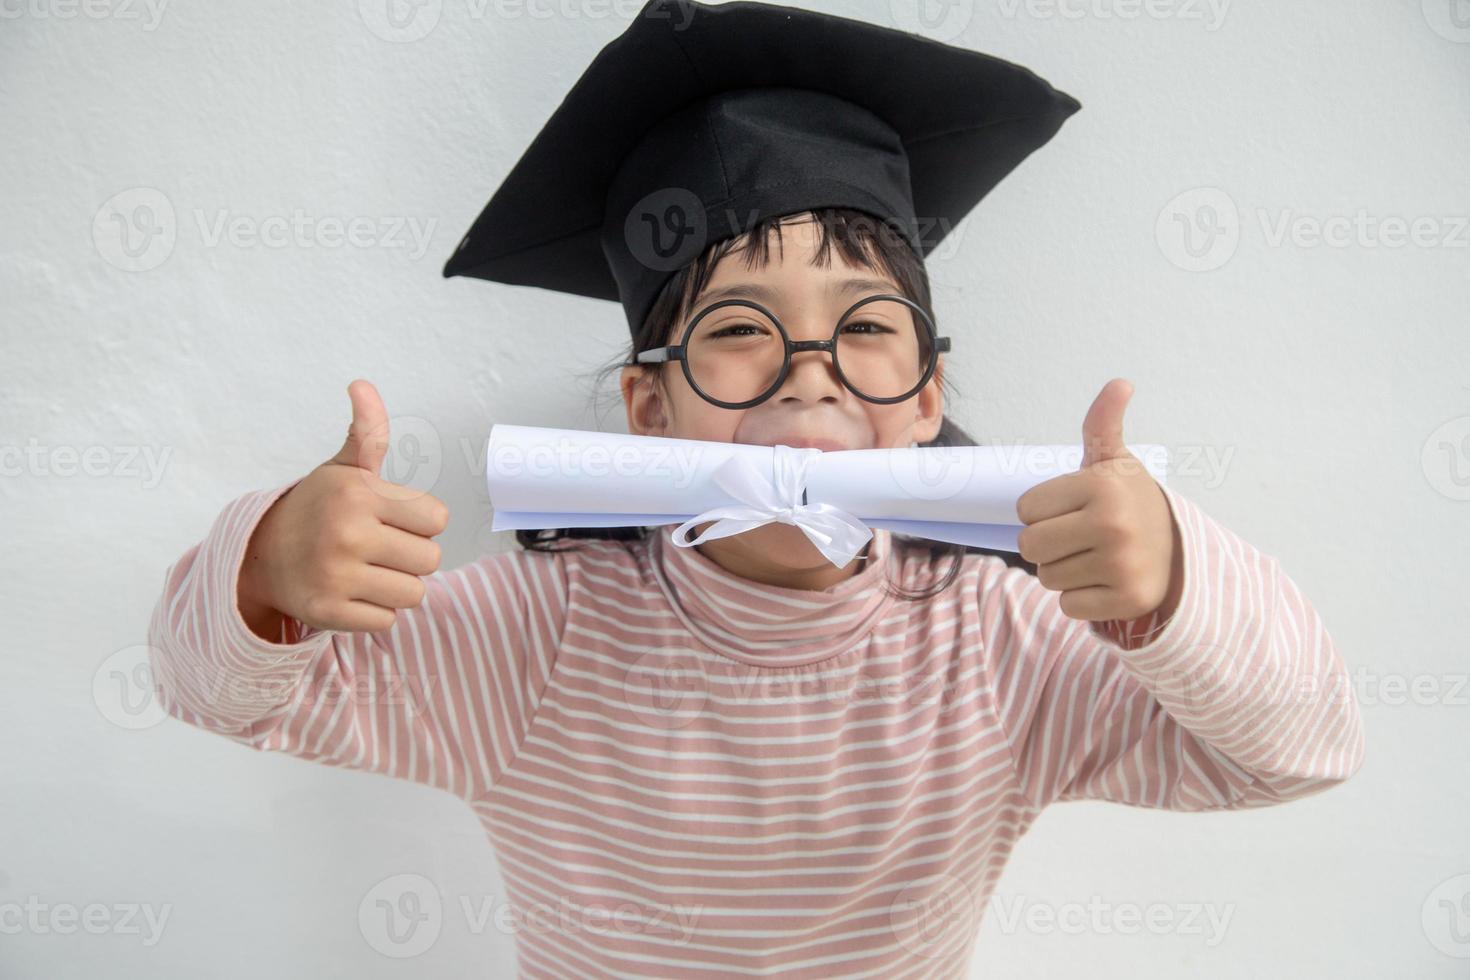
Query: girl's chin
(787, 544)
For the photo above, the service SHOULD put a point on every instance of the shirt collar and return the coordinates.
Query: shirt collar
(770, 625)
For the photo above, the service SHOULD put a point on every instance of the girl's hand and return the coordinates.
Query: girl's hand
(342, 549)
(1104, 536)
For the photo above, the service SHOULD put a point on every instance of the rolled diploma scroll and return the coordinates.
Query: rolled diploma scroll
(561, 478)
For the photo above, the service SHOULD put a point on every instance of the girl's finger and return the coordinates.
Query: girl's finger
(386, 587)
(1078, 571)
(356, 616)
(1057, 496)
(1056, 538)
(1095, 603)
(422, 514)
(403, 551)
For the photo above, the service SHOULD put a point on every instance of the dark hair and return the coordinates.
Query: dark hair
(864, 241)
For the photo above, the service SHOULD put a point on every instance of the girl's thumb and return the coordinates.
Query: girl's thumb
(367, 437)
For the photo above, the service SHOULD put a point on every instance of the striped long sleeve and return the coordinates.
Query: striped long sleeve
(443, 697)
(756, 780)
(1239, 700)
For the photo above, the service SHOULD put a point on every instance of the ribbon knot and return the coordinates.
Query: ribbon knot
(778, 497)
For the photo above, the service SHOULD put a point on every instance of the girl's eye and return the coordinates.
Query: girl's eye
(734, 330)
(877, 327)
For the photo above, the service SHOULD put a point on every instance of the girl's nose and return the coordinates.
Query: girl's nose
(813, 377)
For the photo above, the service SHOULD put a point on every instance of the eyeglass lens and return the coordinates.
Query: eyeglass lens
(883, 348)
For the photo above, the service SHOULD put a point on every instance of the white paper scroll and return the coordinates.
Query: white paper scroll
(562, 478)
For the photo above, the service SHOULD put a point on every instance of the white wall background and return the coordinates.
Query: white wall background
(1331, 381)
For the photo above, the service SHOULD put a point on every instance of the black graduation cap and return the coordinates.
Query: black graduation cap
(700, 119)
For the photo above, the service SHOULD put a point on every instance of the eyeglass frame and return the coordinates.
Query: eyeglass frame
(678, 352)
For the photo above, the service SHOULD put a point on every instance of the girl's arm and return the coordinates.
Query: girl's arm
(443, 697)
(1239, 700)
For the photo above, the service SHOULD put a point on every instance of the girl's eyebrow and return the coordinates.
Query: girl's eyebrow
(765, 294)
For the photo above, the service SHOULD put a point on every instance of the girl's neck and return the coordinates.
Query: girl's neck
(745, 556)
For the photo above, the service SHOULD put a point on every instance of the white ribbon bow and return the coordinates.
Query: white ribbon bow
(837, 534)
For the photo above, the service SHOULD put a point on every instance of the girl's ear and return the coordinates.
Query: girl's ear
(644, 403)
(929, 407)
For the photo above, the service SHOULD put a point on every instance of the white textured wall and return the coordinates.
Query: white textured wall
(1331, 381)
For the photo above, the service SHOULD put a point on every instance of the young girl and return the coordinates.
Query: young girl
(733, 758)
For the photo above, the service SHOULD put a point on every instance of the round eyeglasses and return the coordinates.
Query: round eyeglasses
(736, 353)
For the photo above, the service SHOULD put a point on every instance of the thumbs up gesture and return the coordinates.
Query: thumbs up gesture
(1104, 536)
(343, 548)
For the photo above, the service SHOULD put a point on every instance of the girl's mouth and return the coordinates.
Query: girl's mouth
(825, 445)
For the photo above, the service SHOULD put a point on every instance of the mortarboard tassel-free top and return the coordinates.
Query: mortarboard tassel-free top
(699, 120)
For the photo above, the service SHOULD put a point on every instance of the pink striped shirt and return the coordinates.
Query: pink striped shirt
(686, 773)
